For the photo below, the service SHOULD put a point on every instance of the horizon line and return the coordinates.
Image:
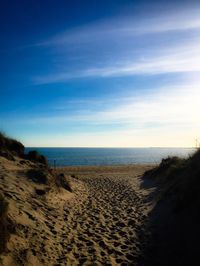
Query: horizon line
(139, 147)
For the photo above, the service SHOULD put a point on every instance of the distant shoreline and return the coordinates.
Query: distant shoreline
(103, 168)
(108, 156)
(45, 147)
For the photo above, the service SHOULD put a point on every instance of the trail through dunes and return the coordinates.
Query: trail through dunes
(98, 223)
(104, 229)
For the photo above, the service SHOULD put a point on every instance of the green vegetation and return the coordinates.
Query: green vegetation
(10, 147)
(36, 157)
(39, 176)
(174, 220)
(166, 169)
(178, 177)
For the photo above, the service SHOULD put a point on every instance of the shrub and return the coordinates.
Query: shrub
(195, 159)
(36, 157)
(39, 176)
(10, 145)
(7, 155)
(2, 140)
(15, 146)
(178, 178)
(166, 168)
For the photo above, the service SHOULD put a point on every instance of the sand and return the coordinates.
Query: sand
(98, 223)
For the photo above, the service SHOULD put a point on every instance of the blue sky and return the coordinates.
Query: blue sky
(100, 73)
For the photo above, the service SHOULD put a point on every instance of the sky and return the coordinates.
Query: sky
(115, 73)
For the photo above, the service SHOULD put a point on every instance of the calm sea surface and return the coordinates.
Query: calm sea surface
(109, 156)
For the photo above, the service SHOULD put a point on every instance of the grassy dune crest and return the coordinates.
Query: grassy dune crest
(10, 147)
(174, 220)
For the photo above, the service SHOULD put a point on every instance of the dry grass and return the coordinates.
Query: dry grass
(174, 220)
(180, 177)
(168, 175)
(39, 176)
(36, 157)
(8, 145)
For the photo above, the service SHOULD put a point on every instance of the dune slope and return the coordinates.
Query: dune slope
(174, 220)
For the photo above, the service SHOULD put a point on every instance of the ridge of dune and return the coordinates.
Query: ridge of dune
(173, 223)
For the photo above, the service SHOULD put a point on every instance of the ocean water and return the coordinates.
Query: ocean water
(109, 156)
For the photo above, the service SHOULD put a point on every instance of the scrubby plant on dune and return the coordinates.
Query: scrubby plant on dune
(173, 222)
(40, 176)
(10, 145)
(36, 157)
(179, 177)
(166, 168)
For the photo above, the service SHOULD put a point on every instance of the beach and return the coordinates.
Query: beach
(98, 223)
(136, 214)
(104, 228)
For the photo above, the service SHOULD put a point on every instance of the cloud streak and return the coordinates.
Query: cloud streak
(178, 60)
(168, 117)
(172, 106)
(126, 47)
(179, 20)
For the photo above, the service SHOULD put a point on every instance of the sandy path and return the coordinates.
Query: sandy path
(103, 229)
(99, 223)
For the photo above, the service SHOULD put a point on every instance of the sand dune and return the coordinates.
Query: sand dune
(98, 223)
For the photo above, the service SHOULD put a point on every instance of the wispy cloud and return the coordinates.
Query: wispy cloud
(126, 47)
(178, 20)
(169, 116)
(179, 59)
(170, 106)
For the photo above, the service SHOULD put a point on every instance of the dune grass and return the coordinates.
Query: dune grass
(179, 177)
(10, 146)
(173, 223)
(36, 157)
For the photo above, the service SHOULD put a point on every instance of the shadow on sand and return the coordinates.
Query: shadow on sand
(173, 225)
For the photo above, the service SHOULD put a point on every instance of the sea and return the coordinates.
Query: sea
(108, 156)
